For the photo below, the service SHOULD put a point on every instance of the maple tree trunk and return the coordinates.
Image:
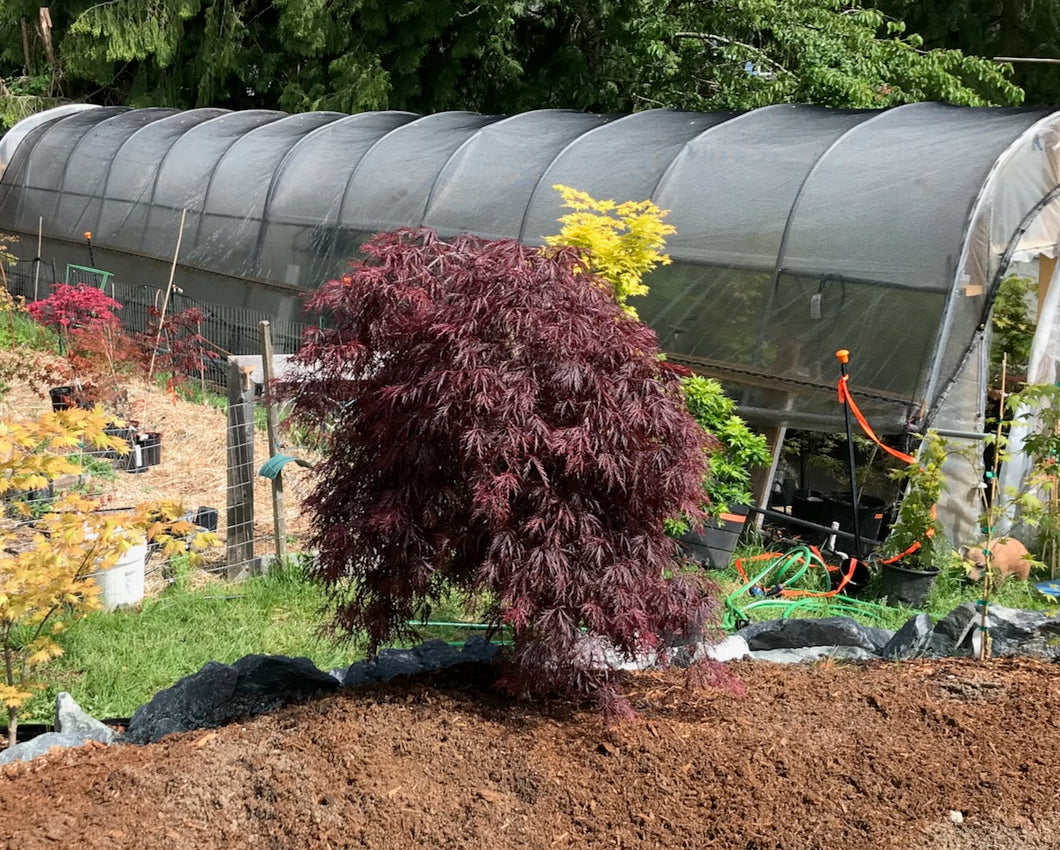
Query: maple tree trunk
(9, 677)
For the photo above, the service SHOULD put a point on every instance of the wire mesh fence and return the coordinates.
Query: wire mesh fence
(227, 329)
(221, 457)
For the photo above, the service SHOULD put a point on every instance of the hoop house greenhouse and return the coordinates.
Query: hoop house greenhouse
(800, 230)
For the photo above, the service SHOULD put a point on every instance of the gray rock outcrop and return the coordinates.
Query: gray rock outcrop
(913, 640)
(39, 746)
(795, 633)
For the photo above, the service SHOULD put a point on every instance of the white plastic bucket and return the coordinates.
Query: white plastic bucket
(123, 584)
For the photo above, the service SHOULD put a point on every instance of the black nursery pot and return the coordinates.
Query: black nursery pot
(62, 398)
(870, 514)
(145, 451)
(206, 517)
(809, 505)
(712, 547)
(901, 584)
(124, 433)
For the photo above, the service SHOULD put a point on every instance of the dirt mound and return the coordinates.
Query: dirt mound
(826, 756)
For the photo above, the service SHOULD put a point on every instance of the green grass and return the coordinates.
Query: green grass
(114, 662)
(951, 589)
(27, 333)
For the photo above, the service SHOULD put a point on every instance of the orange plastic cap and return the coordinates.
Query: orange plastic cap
(88, 235)
(843, 355)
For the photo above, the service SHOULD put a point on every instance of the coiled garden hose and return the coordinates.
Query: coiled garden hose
(777, 587)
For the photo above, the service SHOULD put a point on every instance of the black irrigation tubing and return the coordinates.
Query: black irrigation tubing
(802, 523)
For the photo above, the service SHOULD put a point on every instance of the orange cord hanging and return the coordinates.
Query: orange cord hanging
(846, 398)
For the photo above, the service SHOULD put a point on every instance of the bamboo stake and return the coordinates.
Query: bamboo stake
(36, 273)
(165, 300)
(991, 514)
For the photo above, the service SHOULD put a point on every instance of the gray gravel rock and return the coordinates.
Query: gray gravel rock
(39, 746)
(71, 719)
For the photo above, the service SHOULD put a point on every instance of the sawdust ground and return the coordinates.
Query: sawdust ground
(822, 757)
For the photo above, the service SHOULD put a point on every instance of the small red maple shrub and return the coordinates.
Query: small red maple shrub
(497, 425)
(177, 342)
(102, 355)
(72, 307)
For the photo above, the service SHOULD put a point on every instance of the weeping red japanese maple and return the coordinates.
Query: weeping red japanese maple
(495, 424)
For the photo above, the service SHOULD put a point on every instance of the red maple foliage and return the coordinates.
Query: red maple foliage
(102, 354)
(177, 342)
(497, 425)
(78, 306)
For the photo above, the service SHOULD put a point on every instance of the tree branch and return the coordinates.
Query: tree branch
(757, 52)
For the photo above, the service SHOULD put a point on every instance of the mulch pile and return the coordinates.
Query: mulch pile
(813, 757)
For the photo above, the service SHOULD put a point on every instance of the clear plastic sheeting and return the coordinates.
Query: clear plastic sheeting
(1043, 368)
(800, 230)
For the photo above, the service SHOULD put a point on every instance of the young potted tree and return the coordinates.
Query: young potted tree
(734, 450)
(911, 554)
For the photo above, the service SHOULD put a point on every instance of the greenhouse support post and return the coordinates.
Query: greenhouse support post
(279, 513)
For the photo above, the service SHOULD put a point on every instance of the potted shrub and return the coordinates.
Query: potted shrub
(734, 450)
(910, 556)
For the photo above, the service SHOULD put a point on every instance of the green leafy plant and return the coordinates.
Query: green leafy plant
(1038, 502)
(820, 452)
(733, 448)
(917, 534)
(1013, 324)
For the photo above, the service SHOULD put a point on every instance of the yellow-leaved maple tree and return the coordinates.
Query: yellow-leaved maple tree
(622, 241)
(45, 574)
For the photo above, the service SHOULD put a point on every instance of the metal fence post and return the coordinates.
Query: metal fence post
(240, 532)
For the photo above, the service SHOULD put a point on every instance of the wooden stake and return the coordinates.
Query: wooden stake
(991, 519)
(279, 508)
(36, 273)
(165, 300)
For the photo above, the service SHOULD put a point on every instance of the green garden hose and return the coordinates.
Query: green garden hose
(777, 587)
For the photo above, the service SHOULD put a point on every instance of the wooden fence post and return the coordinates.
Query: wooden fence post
(240, 514)
(279, 507)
